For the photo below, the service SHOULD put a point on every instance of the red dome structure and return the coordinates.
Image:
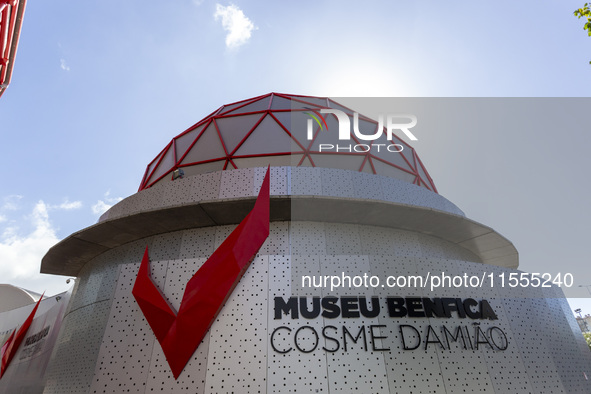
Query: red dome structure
(271, 130)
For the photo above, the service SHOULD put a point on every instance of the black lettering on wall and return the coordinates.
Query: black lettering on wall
(330, 308)
(273, 340)
(486, 311)
(468, 304)
(404, 343)
(454, 338)
(375, 307)
(315, 307)
(349, 307)
(433, 307)
(428, 341)
(396, 307)
(289, 307)
(359, 334)
(415, 307)
(326, 336)
(373, 338)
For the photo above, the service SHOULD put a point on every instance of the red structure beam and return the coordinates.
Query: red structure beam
(11, 17)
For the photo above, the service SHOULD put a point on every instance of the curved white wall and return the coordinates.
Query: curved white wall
(106, 345)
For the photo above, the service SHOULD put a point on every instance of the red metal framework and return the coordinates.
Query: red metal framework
(238, 135)
(11, 16)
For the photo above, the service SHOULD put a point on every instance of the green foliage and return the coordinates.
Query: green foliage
(585, 12)
(587, 336)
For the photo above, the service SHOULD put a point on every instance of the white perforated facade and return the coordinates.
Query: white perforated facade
(545, 352)
(324, 221)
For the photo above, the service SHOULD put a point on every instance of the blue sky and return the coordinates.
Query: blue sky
(99, 88)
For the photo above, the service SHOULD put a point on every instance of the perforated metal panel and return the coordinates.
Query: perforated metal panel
(72, 366)
(342, 239)
(237, 357)
(381, 241)
(533, 345)
(505, 368)
(97, 282)
(108, 347)
(408, 371)
(354, 369)
(306, 181)
(298, 181)
(461, 369)
(237, 183)
(307, 238)
(578, 361)
(279, 180)
(197, 243)
(563, 347)
(124, 358)
(198, 187)
(278, 240)
(336, 182)
(294, 371)
(367, 186)
(304, 265)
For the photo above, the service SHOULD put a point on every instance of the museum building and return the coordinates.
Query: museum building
(265, 252)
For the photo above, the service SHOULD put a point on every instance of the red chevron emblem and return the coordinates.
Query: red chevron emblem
(14, 341)
(206, 292)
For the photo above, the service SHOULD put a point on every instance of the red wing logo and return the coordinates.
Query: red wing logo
(14, 341)
(206, 292)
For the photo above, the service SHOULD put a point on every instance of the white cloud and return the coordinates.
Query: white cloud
(68, 205)
(238, 26)
(20, 255)
(25, 237)
(11, 203)
(100, 207)
(103, 206)
(63, 65)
